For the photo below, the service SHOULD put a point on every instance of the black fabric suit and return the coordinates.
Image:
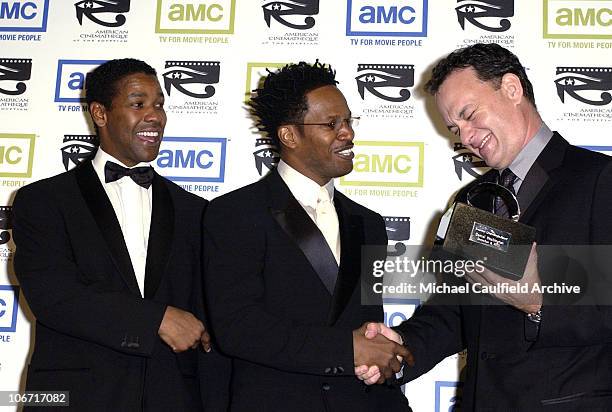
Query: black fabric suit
(512, 365)
(95, 336)
(290, 338)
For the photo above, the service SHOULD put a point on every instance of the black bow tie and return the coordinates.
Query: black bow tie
(142, 176)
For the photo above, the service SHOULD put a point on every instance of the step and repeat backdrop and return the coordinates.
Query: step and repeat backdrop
(210, 54)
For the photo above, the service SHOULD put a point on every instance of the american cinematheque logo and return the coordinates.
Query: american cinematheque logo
(266, 155)
(100, 21)
(389, 85)
(283, 11)
(94, 10)
(13, 76)
(398, 228)
(6, 226)
(467, 162)
(76, 148)
(193, 83)
(485, 22)
(290, 22)
(478, 13)
(584, 93)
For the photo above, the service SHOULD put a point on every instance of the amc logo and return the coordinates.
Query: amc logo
(448, 397)
(387, 164)
(403, 18)
(71, 80)
(398, 310)
(9, 305)
(192, 159)
(607, 150)
(577, 19)
(195, 16)
(16, 155)
(255, 73)
(24, 16)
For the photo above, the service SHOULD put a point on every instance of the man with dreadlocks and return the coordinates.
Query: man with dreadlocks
(283, 260)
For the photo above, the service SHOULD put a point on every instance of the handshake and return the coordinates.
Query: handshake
(378, 353)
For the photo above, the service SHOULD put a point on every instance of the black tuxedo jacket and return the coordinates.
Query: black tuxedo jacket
(265, 275)
(512, 365)
(95, 335)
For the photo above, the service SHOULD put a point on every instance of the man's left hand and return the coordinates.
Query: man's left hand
(527, 302)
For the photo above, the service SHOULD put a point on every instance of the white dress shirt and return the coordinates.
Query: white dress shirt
(306, 192)
(132, 205)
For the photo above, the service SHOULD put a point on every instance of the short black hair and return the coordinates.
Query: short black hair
(490, 62)
(282, 97)
(102, 81)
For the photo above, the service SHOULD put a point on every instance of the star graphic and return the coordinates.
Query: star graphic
(89, 5)
(470, 9)
(276, 6)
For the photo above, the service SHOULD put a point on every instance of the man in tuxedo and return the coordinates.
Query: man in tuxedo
(110, 263)
(283, 262)
(525, 351)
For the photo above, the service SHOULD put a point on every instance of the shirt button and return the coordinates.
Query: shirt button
(326, 386)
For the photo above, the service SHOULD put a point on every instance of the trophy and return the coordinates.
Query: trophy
(503, 245)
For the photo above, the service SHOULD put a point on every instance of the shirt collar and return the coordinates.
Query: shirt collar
(528, 155)
(99, 161)
(304, 189)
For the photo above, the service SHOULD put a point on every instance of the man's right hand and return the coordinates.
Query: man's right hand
(180, 329)
(380, 352)
(371, 374)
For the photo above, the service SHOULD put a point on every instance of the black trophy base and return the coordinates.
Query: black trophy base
(502, 245)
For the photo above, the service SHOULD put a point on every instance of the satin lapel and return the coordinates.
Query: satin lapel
(351, 241)
(296, 223)
(161, 234)
(542, 177)
(102, 211)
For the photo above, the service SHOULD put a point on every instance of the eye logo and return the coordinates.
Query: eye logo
(90, 8)
(398, 228)
(78, 148)
(194, 75)
(466, 161)
(278, 9)
(6, 224)
(266, 154)
(473, 11)
(584, 82)
(377, 76)
(15, 70)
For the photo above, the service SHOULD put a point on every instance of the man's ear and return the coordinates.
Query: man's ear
(512, 87)
(287, 136)
(98, 113)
